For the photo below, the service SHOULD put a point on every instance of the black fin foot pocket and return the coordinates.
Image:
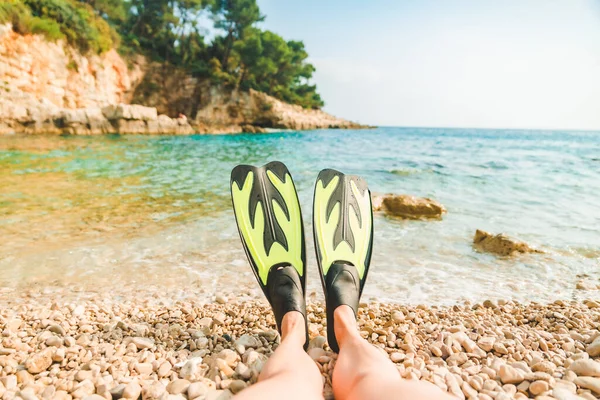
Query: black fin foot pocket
(285, 294)
(343, 288)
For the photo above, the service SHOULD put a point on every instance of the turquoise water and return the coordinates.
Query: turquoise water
(100, 211)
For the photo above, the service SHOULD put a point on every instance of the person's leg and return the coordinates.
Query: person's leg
(289, 373)
(362, 372)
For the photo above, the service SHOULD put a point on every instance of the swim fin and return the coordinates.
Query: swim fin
(269, 221)
(343, 231)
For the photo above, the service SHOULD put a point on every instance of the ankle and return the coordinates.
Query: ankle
(345, 324)
(293, 326)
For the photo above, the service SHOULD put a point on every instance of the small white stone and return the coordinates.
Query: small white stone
(243, 371)
(510, 375)
(316, 352)
(142, 342)
(248, 341)
(590, 383)
(398, 316)
(538, 387)
(221, 299)
(143, 368)
(197, 389)
(586, 367)
(191, 369)
(132, 390)
(594, 348)
(39, 362)
(78, 311)
(178, 386)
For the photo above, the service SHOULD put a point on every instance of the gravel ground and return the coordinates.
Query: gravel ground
(100, 348)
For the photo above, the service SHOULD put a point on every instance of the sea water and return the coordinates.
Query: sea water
(108, 211)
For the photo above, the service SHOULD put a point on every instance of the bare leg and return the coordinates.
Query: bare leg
(289, 373)
(362, 372)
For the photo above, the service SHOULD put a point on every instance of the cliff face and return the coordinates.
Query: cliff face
(61, 75)
(52, 88)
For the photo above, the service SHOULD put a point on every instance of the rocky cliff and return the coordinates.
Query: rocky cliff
(51, 88)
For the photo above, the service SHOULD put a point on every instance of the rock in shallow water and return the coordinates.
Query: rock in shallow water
(407, 206)
(500, 244)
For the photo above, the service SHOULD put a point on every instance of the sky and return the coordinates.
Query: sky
(531, 64)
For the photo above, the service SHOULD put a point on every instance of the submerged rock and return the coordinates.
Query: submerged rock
(500, 244)
(586, 285)
(407, 206)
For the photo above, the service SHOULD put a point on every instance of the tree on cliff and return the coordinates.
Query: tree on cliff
(234, 17)
(272, 65)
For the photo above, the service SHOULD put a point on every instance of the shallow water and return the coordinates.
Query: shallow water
(115, 211)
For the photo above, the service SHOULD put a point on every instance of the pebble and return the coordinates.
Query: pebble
(117, 391)
(191, 369)
(153, 391)
(54, 341)
(544, 366)
(507, 351)
(538, 387)
(237, 386)
(221, 299)
(142, 342)
(585, 367)
(588, 383)
(197, 389)
(178, 386)
(39, 362)
(132, 390)
(248, 341)
(509, 374)
(486, 343)
(561, 393)
(317, 342)
(316, 352)
(243, 371)
(594, 348)
(219, 318)
(398, 316)
(143, 368)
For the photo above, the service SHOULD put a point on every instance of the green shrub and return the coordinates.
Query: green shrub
(72, 65)
(78, 22)
(46, 27)
(15, 13)
(72, 20)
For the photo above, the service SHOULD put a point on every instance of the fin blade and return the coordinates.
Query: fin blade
(342, 221)
(268, 217)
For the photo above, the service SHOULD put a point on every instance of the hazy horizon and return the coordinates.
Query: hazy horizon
(509, 65)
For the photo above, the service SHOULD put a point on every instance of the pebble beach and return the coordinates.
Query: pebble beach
(118, 264)
(152, 347)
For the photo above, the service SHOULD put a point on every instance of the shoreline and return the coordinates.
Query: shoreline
(44, 119)
(195, 130)
(55, 348)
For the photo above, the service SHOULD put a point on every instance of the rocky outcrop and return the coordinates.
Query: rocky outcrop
(51, 88)
(42, 117)
(500, 244)
(407, 206)
(258, 109)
